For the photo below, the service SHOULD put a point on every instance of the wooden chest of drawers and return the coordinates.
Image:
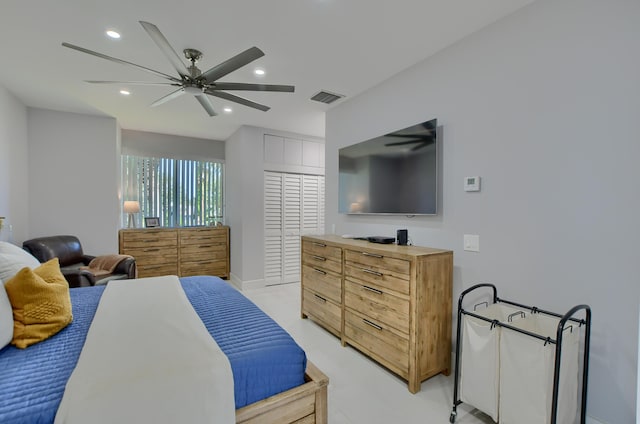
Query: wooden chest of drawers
(177, 251)
(395, 301)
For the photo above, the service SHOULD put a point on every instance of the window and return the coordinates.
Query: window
(180, 192)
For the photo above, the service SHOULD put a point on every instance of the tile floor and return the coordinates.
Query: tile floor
(360, 390)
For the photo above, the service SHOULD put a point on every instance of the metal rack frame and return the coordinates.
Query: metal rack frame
(557, 341)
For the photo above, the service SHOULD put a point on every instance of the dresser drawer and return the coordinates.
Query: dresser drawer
(391, 266)
(322, 262)
(205, 252)
(202, 236)
(380, 342)
(378, 275)
(154, 255)
(373, 301)
(212, 267)
(148, 238)
(324, 283)
(321, 249)
(147, 269)
(321, 309)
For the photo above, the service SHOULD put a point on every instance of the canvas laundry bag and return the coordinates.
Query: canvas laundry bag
(480, 358)
(526, 372)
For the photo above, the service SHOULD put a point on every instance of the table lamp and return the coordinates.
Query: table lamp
(131, 207)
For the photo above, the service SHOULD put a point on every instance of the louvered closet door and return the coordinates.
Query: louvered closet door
(294, 205)
(292, 223)
(312, 204)
(273, 196)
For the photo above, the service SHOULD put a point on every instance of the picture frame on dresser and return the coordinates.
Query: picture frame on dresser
(152, 222)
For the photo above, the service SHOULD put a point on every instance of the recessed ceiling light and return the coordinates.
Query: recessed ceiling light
(125, 92)
(228, 109)
(259, 71)
(113, 34)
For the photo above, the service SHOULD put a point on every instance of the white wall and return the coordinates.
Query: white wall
(143, 143)
(74, 178)
(244, 201)
(14, 172)
(543, 105)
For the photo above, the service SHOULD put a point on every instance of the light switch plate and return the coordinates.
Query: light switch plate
(472, 242)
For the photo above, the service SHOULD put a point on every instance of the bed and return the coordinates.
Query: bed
(273, 381)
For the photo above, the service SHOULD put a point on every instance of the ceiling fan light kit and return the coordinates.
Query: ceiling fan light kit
(191, 79)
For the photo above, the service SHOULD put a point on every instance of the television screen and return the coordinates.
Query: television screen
(392, 174)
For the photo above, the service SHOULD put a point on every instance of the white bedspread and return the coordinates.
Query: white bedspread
(148, 358)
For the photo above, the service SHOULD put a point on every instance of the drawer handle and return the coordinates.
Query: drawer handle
(204, 245)
(315, 243)
(319, 258)
(371, 289)
(370, 271)
(376, 326)
(151, 250)
(320, 298)
(373, 255)
(320, 271)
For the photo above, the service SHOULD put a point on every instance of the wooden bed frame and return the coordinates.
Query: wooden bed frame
(305, 404)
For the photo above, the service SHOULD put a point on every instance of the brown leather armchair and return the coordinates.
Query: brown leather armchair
(72, 259)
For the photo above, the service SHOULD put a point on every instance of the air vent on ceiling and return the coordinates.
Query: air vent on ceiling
(326, 97)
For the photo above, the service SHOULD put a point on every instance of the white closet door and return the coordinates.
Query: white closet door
(292, 223)
(312, 204)
(294, 205)
(273, 196)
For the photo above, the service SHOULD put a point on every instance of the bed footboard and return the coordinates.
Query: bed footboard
(305, 404)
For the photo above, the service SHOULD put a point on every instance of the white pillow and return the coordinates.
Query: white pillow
(6, 318)
(13, 259)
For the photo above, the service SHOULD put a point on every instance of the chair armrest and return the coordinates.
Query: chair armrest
(79, 277)
(128, 267)
(87, 258)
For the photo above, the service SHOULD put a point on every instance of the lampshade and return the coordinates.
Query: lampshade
(131, 206)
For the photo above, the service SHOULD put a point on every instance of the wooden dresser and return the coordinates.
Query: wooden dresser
(393, 303)
(177, 251)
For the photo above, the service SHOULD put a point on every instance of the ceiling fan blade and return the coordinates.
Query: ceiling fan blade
(252, 87)
(237, 99)
(175, 84)
(166, 48)
(123, 62)
(236, 62)
(427, 136)
(179, 92)
(402, 143)
(419, 146)
(206, 104)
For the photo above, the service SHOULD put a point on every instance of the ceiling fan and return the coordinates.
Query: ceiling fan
(192, 80)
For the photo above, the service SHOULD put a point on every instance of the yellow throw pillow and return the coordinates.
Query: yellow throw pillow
(40, 302)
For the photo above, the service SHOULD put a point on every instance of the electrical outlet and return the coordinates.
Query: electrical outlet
(472, 242)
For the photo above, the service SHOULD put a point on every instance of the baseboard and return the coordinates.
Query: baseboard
(253, 284)
(246, 285)
(235, 281)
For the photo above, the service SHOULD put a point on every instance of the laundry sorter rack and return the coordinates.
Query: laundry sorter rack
(493, 376)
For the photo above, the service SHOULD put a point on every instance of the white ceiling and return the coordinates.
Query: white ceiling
(343, 46)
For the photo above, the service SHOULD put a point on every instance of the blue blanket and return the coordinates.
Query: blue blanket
(264, 359)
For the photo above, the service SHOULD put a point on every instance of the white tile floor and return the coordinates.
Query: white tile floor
(360, 390)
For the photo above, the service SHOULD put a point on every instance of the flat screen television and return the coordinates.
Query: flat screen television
(396, 173)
